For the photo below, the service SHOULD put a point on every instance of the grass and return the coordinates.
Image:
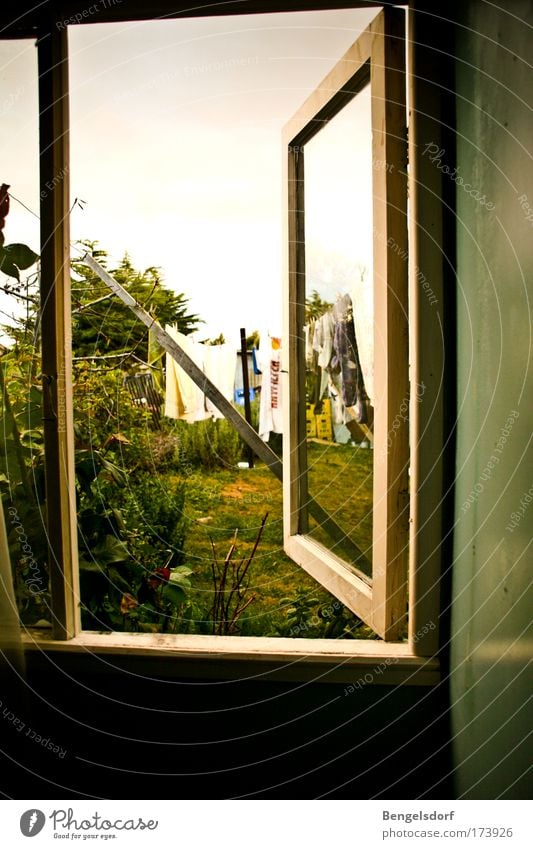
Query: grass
(222, 502)
(340, 478)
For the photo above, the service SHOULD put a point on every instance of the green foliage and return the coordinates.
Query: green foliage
(15, 258)
(309, 617)
(104, 414)
(208, 444)
(300, 611)
(252, 341)
(132, 528)
(131, 541)
(21, 457)
(217, 340)
(102, 324)
(155, 519)
(121, 553)
(315, 306)
(22, 482)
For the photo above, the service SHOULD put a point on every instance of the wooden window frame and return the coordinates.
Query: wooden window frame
(377, 59)
(411, 662)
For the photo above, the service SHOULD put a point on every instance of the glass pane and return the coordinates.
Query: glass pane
(340, 330)
(158, 481)
(21, 411)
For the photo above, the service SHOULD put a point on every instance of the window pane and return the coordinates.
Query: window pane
(21, 413)
(204, 221)
(340, 327)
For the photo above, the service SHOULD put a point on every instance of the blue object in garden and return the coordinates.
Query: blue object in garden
(256, 368)
(238, 395)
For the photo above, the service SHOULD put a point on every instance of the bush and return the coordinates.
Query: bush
(208, 444)
(131, 549)
(154, 519)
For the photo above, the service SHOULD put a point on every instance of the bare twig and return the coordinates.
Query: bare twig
(230, 587)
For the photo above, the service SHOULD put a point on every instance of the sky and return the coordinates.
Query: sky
(176, 152)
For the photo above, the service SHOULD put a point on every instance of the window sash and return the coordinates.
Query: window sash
(377, 56)
(426, 247)
(56, 343)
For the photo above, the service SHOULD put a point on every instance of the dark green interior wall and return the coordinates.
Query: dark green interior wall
(129, 734)
(491, 573)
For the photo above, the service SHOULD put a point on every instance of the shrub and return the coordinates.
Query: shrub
(209, 444)
(154, 519)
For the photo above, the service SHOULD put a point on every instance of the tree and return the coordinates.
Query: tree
(252, 341)
(315, 306)
(102, 324)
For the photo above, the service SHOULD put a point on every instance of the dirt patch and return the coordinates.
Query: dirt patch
(237, 490)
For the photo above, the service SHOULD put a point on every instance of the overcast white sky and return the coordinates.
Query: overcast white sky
(176, 150)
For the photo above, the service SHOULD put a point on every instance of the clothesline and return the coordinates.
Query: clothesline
(184, 398)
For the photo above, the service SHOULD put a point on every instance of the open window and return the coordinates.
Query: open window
(360, 557)
(347, 511)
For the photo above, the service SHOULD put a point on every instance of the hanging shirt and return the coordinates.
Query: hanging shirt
(363, 319)
(323, 339)
(183, 398)
(346, 360)
(270, 405)
(219, 367)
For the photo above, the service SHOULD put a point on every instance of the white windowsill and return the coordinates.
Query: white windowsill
(274, 658)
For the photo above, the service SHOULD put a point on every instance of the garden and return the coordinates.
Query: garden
(174, 536)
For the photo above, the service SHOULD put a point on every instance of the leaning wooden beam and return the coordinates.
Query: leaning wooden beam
(191, 369)
(263, 451)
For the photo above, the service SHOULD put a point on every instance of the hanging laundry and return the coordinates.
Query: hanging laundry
(183, 398)
(323, 345)
(255, 365)
(219, 367)
(323, 338)
(363, 319)
(270, 406)
(346, 360)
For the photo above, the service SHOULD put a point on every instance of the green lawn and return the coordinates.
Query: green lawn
(223, 501)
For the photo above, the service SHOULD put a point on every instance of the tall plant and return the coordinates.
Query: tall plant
(231, 583)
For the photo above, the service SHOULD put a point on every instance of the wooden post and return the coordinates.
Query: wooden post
(246, 388)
